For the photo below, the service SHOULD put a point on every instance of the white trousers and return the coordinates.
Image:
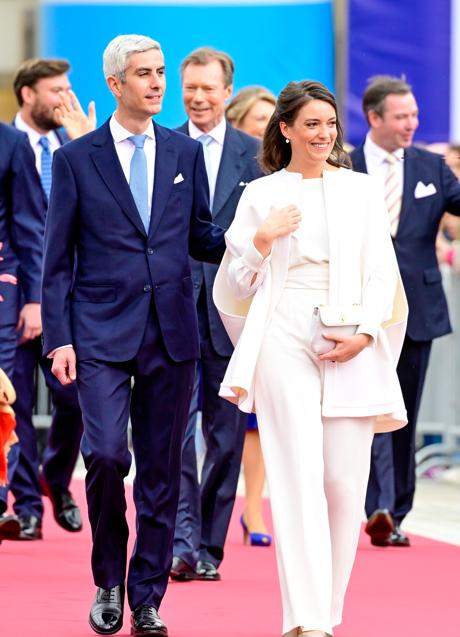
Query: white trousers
(317, 469)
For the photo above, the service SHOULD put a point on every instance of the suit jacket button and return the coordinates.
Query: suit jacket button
(147, 288)
(149, 250)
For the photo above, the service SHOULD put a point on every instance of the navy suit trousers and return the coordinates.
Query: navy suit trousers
(64, 436)
(158, 405)
(8, 344)
(392, 476)
(205, 510)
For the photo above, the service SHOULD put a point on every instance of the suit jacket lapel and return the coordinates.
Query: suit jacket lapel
(409, 184)
(230, 169)
(359, 161)
(108, 165)
(166, 158)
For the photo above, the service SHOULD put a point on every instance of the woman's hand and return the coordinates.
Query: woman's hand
(280, 221)
(347, 347)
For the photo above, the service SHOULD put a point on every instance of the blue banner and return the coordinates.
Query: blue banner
(393, 37)
(271, 43)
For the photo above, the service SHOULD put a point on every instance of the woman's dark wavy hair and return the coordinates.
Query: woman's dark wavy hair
(275, 153)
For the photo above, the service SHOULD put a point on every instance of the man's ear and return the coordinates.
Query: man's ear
(114, 84)
(27, 94)
(374, 119)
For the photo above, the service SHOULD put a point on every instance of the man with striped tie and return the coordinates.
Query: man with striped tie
(418, 188)
(43, 91)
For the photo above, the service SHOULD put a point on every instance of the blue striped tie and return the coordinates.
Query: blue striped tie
(138, 179)
(45, 166)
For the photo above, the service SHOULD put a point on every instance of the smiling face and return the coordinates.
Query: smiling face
(312, 135)
(204, 94)
(395, 128)
(140, 96)
(40, 100)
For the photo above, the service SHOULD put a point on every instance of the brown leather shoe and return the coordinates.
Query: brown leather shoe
(10, 527)
(380, 526)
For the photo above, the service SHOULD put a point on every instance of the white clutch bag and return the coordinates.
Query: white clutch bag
(342, 320)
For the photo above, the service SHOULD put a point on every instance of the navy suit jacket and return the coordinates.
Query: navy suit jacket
(238, 166)
(102, 306)
(21, 212)
(416, 236)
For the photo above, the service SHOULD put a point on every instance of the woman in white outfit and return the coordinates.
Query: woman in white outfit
(312, 234)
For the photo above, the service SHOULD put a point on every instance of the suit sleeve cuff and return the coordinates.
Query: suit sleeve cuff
(53, 351)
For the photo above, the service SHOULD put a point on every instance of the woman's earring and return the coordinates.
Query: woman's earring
(287, 140)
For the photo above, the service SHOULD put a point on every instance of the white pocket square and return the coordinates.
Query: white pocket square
(424, 191)
(243, 183)
(178, 179)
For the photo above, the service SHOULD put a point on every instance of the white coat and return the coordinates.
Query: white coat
(363, 269)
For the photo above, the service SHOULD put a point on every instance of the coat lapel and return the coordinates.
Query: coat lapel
(409, 183)
(108, 166)
(166, 158)
(359, 161)
(230, 169)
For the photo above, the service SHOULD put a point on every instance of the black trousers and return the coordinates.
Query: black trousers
(392, 476)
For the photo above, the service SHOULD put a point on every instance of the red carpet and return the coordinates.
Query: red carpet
(46, 590)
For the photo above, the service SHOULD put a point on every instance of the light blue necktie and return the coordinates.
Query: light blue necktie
(206, 141)
(45, 166)
(138, 179)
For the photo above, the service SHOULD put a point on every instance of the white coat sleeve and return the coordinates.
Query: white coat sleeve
(247, 268)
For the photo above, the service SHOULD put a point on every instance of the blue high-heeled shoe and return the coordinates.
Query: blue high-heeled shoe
(254, 539)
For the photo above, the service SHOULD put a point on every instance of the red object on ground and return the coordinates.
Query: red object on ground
(7, 438)
(46, 589)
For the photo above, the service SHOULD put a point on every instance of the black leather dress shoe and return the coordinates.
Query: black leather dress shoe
(181, 571)
(145, 621)
(399, 538)
(65, 509)
(31, 527)
(10, 527)
(206, 571)
(106, 615)
(380, 526)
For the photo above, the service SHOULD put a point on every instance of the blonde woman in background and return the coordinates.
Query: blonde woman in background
(250, 111)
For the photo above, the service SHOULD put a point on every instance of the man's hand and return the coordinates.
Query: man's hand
(70, 115)
(64, 365)
(347, 347)
(29, 322)
(7, 278)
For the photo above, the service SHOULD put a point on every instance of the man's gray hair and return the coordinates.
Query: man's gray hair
(118, 50)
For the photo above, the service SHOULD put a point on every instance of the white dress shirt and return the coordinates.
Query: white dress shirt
(125, 151)
(378, 168)
(215, 149)
(34, 139)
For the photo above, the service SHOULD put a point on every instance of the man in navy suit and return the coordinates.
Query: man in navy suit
(230, 155)
(40, 86)
(418, 188)
(129, 203)
(21, 233)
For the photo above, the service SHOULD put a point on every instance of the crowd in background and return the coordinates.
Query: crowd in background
(230, 130)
